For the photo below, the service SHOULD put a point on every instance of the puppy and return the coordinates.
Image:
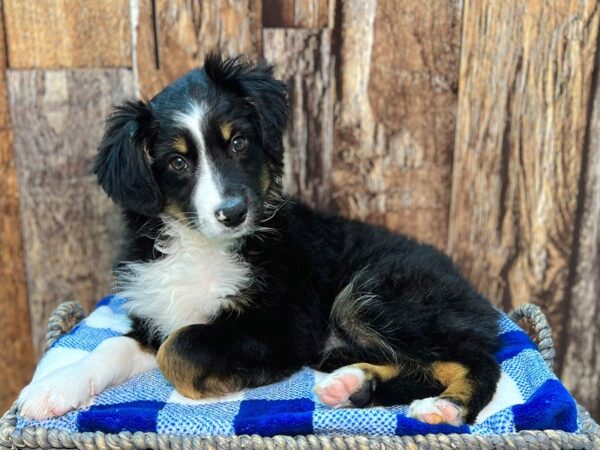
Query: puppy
(231, 285)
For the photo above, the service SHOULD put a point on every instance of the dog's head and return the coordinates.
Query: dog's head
(206, 150)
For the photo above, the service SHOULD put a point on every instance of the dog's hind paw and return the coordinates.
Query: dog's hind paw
(435, 410)
(339, 388)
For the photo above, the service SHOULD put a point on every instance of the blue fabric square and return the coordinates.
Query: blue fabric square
(150, 385)
(114, 418)
(199, 420)
(114, 302)
(513, 343)
(85, 338)
(527, 371)
(106, 301)
(271, 417)
(551, 407)
(370, 421)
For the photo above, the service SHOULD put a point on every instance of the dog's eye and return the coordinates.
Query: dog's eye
(178, 164)
(239, 144)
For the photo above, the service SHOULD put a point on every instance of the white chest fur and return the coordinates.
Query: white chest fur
(189, 285)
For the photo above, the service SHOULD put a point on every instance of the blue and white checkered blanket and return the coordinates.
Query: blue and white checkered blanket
(529, 396)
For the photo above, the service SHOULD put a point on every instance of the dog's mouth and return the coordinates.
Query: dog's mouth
(224, 233)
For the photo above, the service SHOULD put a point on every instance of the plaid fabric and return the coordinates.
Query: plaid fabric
(529, 396)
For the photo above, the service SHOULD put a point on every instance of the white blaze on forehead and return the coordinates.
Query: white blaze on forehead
(207, 195)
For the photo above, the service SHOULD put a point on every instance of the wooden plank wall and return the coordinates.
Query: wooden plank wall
(520, 160)
(15, 331)
(469, 124)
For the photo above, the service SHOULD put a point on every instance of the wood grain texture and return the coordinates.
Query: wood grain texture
(310, 14)
(579, 361)
(395, 113)
(187, 31)
(68, 33)
(70, 228)
(15, 333)
(302, 58)
(524, 92)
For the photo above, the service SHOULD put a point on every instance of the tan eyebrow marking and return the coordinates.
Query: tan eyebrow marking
(226, 130)
(180, 145)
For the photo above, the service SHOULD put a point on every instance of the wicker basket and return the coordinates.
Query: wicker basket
(69, 314)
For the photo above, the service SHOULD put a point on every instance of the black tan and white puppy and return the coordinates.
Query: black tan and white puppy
(232, 285)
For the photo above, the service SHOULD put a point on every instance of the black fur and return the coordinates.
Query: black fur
(419, 305)
(123, 166)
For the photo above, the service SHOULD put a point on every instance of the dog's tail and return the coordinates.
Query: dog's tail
(353, 313)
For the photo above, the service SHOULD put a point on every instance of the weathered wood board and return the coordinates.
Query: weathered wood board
(175, 37)
(54, 34)
(15, 332)
(526, 71)
(302, 58)
(70, 228)
(579, 361)
(395, 113)
(307, 14)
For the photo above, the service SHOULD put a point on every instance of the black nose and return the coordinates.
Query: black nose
(232, 211)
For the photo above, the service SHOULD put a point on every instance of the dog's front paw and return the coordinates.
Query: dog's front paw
(435, 410)
(56, 394)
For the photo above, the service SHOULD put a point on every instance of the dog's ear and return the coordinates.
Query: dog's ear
(123, 162)
(257, 84)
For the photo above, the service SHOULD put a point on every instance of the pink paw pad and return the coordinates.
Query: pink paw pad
(337, 387)
(434, 410)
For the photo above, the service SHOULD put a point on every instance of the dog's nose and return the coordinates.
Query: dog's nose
(232, 211)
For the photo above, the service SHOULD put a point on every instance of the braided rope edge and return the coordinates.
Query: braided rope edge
(70, 313)
(542, 331)
(62, 320)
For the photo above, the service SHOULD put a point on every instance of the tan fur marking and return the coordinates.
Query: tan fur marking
(178, 370)
(174, 210)
(384, 372)
(454, 377)
(226, 131)
(180, 145)
(182, 374)
(265, 180)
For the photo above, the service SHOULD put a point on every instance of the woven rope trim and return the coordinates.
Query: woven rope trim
(62, 320)
(69, 314)
(533, 315)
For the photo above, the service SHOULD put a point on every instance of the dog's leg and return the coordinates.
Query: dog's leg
(209, 360)
(468, 388)
(364, 384)
(113, 362)
(353, 385)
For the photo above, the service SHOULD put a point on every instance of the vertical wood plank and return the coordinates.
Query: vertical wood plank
(71, 230)
(15, 332)
(68, 33)
(395, 113)
(187, 31)
(309, 14)
(303, 59)
(524, 93)
(579, 363)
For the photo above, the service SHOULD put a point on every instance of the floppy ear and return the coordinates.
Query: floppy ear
(267, 95)
(269, 98)
(123, 163)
